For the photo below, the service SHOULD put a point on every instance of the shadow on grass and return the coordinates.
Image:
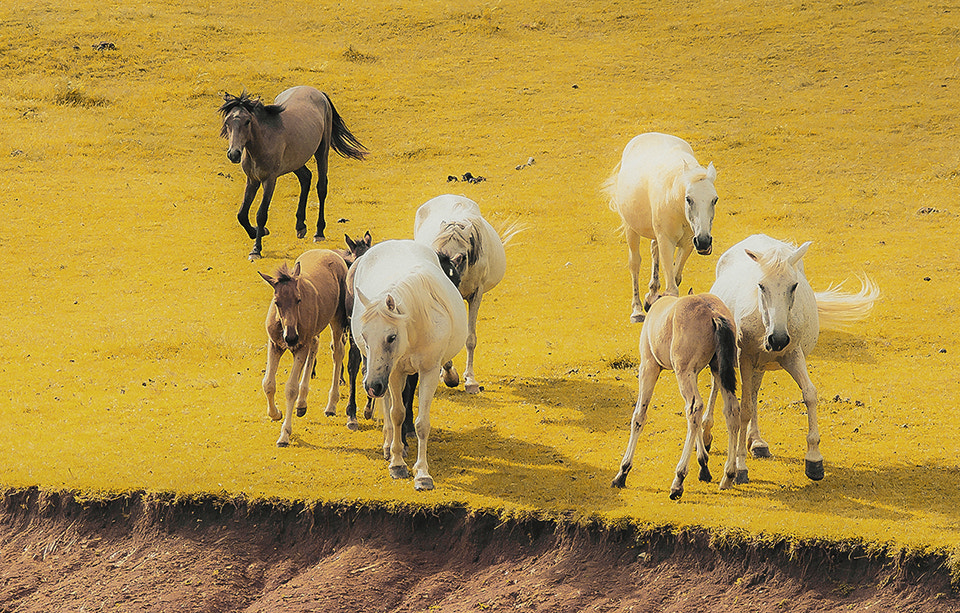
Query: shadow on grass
(842, 347)
(889, 493)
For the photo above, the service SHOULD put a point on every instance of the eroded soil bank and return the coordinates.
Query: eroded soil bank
(141, 552)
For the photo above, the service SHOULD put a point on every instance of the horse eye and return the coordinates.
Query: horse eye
(762, 288)
(794, 288)
(689, 200)
(714, 203)
(391, 338)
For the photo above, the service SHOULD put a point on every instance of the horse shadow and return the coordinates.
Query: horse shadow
(843, 347)
(886, 493)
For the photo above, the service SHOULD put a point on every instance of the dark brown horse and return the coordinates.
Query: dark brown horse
(269, 140)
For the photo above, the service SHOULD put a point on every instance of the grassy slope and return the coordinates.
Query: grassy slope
(134, 347)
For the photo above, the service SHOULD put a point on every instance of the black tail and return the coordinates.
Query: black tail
(344, 142)
(726, 353)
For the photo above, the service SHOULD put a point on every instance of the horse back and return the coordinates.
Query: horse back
(306, 121)
(694, 341)
(326, 272)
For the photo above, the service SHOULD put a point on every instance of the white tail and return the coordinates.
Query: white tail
(609, 189)
(838, 309)
(509, 230)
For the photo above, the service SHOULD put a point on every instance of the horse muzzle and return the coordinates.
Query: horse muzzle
(234, 155)
(376, 390)
(703, 245)
(777, 342)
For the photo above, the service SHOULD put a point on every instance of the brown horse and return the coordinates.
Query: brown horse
(354, 250)
(272, 140)
(685, 335)
(305, 301)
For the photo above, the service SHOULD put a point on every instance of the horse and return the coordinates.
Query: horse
(407, 318)
(305, 301)
(471, 251)
(662, 193)
(779, 318)
(270, 140)
(685, 335)
(354, 250)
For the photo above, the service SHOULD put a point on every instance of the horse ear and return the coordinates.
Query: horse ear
(711, 172)
(367, 238)
(296, 269)
(268, 279)
(363, 299)
(799, 253)
(392, 304)
(352, 245)
(752, 255)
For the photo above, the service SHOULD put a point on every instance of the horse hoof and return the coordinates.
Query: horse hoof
(727, 482)
(814, 470)
(451, 379)
(676, 494)
(742, 476)
(301, 233)
(472, 388)
(619, 482)
(399, 472)
(330, 412)
(301, 411)
(318, 238)
(705, 475)
(283, 444)
(352, 425)
(275, 416)
(422, 484)
(761, 451)
(254, 256)
(637, 319)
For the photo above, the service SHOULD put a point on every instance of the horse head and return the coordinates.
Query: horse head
(779, 278)
(356, 248)
(384, 333)
(701, 200)
(240, 114)
(286, 299)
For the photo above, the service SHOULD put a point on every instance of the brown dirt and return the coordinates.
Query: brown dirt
(145, 552)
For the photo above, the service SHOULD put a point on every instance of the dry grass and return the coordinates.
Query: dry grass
(133, 348)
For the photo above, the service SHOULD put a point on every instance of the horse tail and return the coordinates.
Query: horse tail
(838, 309)
(509, 230)
(726, 339)
(609, 188)
(343, 141)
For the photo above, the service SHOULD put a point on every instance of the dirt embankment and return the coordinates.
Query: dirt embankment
(152, 553)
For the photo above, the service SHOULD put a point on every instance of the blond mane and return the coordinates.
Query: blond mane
(414, 296)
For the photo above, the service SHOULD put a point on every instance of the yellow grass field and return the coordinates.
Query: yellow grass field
(133, 345)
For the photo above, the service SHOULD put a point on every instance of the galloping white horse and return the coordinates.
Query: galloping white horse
(407, 318)
(662, 193)
(455, 229)
(779, 318)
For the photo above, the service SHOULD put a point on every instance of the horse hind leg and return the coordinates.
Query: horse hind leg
(353, 367)
(633, 262)
(694, 410)
(323, 158)
(304, 176)
(470, 384)
(654, 287)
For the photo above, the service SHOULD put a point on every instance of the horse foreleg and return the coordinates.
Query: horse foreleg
(731, 412)
(268, 186)
(304, 176)
(322, 156)
(398, 468)
(687, 380)
(429, 381)
(274, 352)
(336, 348)
(243, 215)
(666, 250)
(748, 410)
(633, 262)
(409, 390)
(796, 365)
(649, 372)
(470, 384)
(683, 254)
(304, 383)
(292, 391)
(755, 442)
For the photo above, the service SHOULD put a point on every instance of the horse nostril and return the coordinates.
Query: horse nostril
(233, 155)
(291, 340)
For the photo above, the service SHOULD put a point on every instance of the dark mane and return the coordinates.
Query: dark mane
(284, 274)
(254, 106)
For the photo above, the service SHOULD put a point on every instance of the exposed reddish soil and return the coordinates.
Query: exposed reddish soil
(154, 553)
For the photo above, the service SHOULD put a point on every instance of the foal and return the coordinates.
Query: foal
(305, 301)
(685, 335)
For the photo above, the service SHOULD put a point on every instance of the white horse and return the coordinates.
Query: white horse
(407, 318)
(662, 193)
(779, 318)
(455, 229)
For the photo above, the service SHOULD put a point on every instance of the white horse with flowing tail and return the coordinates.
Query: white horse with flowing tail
(685, 335)
(407, 318)
(471, 249)
(662, 193)
(779, 318)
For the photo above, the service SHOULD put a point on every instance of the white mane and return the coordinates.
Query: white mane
(414, 295)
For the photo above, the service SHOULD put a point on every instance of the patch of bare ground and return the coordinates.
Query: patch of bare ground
(148, 552)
